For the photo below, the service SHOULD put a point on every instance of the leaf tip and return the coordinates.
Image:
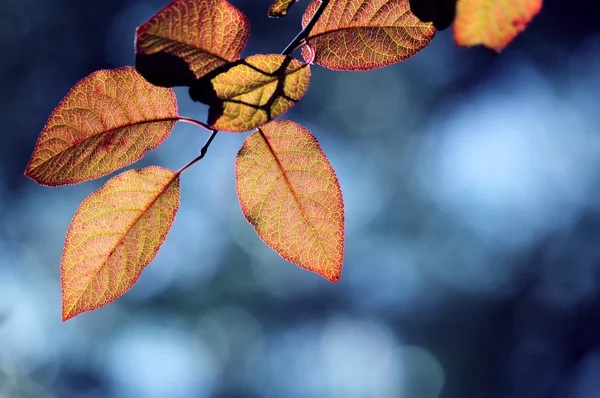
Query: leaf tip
(30, 168)
(275, 14)
(68, 314)
(68, 309)
(280, 8)
(335, 277)
(333, 271)
(40, 179)
(27, 172)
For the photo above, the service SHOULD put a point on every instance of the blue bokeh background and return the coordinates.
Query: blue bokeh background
(471, 183)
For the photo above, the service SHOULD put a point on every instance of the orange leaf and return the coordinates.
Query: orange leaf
(290, 194)
(107, 121)
(249, 93)
(189, 38)
(365, 34)
(492, 23)
(280, 8)
(114, 235)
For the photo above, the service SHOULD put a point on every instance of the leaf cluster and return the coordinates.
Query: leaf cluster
(287, 188)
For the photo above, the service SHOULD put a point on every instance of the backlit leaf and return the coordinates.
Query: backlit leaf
(365, 34)
(280, 8)
(290, 194)
(114, 235)
(107, 121)
(249, 93)
(492, 23)
(189, 38)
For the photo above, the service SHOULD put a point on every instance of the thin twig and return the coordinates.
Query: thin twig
(202, 152)
(306, 31)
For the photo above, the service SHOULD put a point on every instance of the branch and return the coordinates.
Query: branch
(288, 50)
(306, 31)
(202, 152)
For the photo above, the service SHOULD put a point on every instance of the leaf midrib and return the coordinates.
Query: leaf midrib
(293, 192)
(108, 131)
(334, 30)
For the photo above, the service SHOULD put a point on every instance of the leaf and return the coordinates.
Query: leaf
(114, 235)
(107, 121)
(492, 23)
(440, 12)
(289, 192)
(189, 38)
(280, 8)
(364, 34)
(249, 93)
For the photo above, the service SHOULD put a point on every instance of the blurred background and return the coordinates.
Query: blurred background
(471, 183)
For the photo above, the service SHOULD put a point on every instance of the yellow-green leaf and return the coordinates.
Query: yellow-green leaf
(189, 38)
(249, 93)
(114, 235)
(364, 34)
(280, 8)
(107, 121)
(492, 23)
(289, 192)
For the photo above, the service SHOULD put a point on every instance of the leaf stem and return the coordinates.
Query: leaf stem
(297, 42)
(194, 121)
(202, 152)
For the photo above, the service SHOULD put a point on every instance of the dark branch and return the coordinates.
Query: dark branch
(202, 152)
(306, 31)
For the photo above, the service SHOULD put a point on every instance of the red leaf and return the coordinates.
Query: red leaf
(189, 38)
(290, 194)
(365, 34)
(114, 235)
(107, 121)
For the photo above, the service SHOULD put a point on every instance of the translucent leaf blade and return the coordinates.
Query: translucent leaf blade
(109, 120)
(492, 23)
(253, 91)
(365, 34)
(280, 8)
(115, 233)
(289, 192)
(189, 38)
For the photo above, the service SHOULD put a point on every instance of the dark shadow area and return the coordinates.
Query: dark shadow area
(202, 90)
(440, 12)
(164, 69)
